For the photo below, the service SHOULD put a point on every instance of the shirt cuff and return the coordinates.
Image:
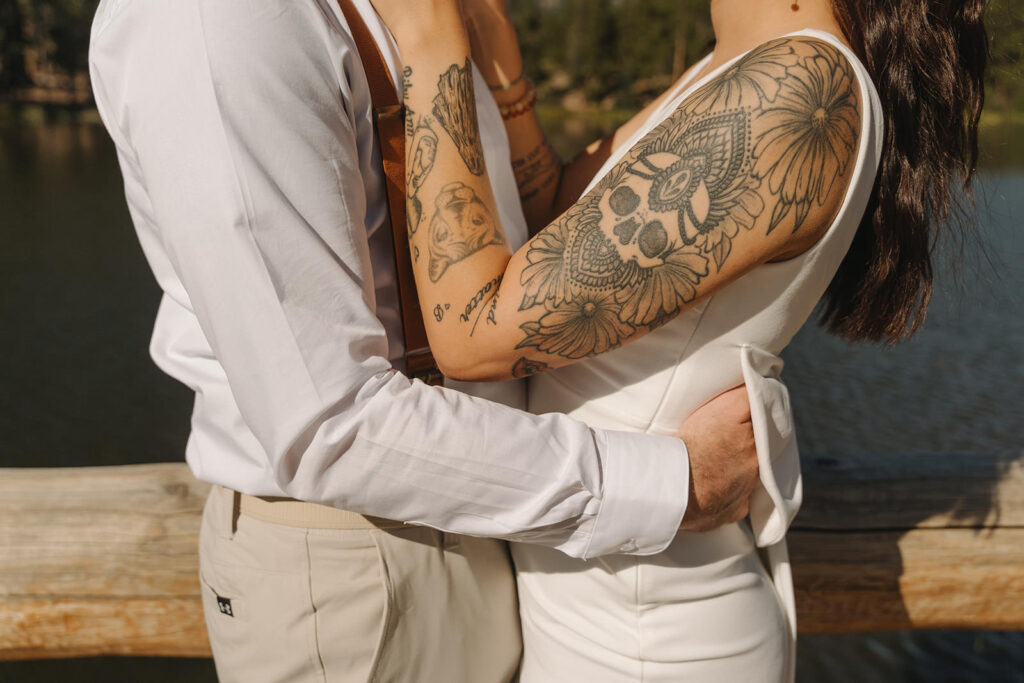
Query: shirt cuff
(646, 484)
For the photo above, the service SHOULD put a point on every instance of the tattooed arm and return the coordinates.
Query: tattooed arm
(452, 216)
(751, 168)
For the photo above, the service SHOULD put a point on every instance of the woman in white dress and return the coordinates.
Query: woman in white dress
(811, 156)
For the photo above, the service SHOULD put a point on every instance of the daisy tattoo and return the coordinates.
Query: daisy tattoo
(759, 145)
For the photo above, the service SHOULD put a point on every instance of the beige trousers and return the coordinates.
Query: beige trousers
(285, 603)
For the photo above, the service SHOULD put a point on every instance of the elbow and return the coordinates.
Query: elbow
(465, 367)
(458, 369)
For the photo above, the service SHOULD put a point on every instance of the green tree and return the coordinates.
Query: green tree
(1005, 78)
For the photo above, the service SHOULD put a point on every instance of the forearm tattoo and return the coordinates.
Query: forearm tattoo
(632, 253)
(462, 225)
(491, 310)
(455, 109)
(486, 293)
(537, 170)
(421, 163)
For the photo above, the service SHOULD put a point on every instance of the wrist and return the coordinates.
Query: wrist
(495, 49)
(520, 106)
(508, 96)
(424, 34)
(432, 57)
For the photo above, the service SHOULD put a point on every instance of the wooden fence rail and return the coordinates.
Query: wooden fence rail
(102, 560)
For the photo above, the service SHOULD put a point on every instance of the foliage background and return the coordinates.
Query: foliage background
(585, 55)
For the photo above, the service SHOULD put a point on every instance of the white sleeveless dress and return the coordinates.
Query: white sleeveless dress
(706, 609)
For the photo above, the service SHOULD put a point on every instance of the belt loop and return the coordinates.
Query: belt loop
(224, 503)
(236, 511)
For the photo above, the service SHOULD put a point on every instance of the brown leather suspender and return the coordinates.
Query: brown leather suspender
(390, 122)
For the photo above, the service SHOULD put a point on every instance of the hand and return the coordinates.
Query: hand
(719, 437)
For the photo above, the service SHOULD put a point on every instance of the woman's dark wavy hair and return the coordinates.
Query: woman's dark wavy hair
(927, 59)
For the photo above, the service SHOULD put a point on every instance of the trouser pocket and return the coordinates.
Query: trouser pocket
(256, 600)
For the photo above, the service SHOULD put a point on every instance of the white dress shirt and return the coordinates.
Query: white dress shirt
(251, 170)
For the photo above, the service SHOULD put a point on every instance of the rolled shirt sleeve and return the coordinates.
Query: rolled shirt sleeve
(247, 182)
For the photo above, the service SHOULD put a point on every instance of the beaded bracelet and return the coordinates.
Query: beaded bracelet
(522, 105)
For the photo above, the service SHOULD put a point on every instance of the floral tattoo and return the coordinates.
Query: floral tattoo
(811, 132)
(770, 136)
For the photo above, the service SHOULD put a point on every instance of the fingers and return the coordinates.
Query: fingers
(723, 461)
(732, 406)
(738, 402)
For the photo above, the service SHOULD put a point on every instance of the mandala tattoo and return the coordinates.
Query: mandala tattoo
(455, 110)
(769, 137)
(461, 226)
(697, 169)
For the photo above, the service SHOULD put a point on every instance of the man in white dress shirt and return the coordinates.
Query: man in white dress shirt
(251, 170)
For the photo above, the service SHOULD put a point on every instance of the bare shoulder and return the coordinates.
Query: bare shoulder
(806, 137)
(751, 167)
(778, 131)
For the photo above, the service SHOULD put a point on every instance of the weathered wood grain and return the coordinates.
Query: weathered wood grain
(926, 578)
(100, 560)
(913, 491)
(103, 560)
(910, 542)
(43, 628)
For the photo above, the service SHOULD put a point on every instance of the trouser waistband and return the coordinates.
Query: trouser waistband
(297, 513)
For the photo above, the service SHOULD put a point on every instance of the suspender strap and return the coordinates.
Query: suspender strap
(390, 125)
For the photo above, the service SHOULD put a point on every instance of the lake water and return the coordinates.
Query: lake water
(77, 301)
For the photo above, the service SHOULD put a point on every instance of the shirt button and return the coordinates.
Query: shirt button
(629, 546)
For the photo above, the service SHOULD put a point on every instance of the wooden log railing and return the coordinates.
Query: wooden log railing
(103, 560)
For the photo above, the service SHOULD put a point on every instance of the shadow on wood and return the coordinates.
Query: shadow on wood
(910, 542)
(103, 560)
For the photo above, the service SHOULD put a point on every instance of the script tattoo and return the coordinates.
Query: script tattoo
(632, 253)
(491, 319)
(421, 163)
(406, 81)
(455, 109)
(488, 291)
(461, 226)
